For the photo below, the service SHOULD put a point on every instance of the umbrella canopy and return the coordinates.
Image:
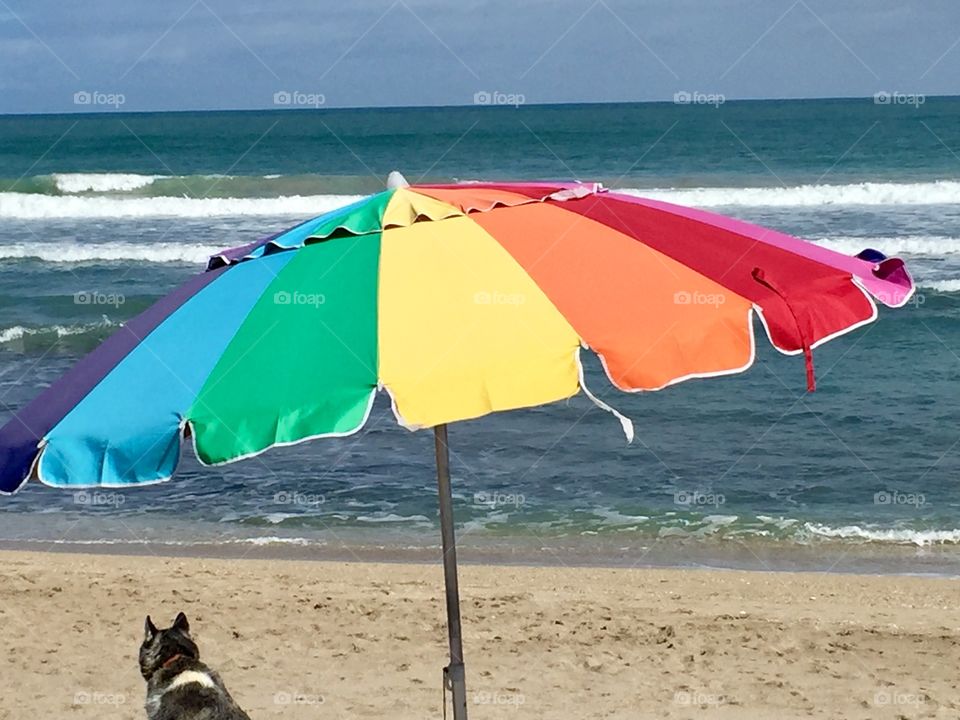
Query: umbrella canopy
(457, 300)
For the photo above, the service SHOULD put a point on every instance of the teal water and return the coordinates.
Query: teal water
(655, 144)
(101, 215)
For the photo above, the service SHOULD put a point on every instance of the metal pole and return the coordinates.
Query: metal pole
(454, 677)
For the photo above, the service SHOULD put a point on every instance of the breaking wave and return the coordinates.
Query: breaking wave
(925, 245)
(941, 192)
(894, 536)
(53, 333)
(124, 195)
(944, 286)
(73, 252)
(26, 206)
(101, 182)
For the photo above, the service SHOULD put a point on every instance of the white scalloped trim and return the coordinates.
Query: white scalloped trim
(35, 468)
(345, 433)
(874, 315)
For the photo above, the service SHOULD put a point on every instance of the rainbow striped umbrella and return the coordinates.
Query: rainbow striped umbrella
(457, 301)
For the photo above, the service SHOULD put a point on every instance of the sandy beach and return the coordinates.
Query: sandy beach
(366, 640)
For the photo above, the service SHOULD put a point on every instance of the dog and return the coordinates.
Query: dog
(179, 686)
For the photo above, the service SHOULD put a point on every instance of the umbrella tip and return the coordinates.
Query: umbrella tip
(396, 180)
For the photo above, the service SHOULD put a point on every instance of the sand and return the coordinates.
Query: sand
(366, 640)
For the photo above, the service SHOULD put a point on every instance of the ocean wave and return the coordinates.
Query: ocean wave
(124, 195)
(944, 286)
(807, 534)
(918, 245)
(172, 252)
(28, 206)
(133, 185)
(101, 182)
(941, 192)
(20, 332)
(160, 542)
(392, 518)
(72, 252)
(748, 527)
(896, 536)
(274, 540)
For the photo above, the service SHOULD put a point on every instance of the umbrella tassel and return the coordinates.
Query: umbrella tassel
(761, 278)
(625, 422)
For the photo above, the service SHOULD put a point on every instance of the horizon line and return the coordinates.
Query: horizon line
(503, 106)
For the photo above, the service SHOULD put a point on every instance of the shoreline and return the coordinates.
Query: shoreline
(831, 558)
(369, 639)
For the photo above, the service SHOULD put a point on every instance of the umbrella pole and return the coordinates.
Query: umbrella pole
(454, 678)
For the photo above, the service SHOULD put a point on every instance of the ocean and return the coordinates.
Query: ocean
(101, 215)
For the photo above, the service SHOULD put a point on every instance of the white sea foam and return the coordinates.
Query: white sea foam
(392, 518)
(102, 182)
(71, 205)
(273, 540)
(200, 542)
(945, 286)
(781, 523)
(615, 517)
(72, 252)
(923, 245)
(895, 536)
(26, 206)
(18, 332)
(12, 333)
(171, 252)
(941, 192)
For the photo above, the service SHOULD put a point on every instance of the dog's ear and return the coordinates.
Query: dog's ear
(149, 630)
(181, 623)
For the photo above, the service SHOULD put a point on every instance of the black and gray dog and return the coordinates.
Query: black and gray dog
(179, 686)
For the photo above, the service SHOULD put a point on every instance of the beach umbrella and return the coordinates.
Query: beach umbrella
(455, 300)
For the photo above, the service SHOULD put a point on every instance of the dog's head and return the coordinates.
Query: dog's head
(162, 647)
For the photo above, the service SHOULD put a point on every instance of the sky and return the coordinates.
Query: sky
(234, 54)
